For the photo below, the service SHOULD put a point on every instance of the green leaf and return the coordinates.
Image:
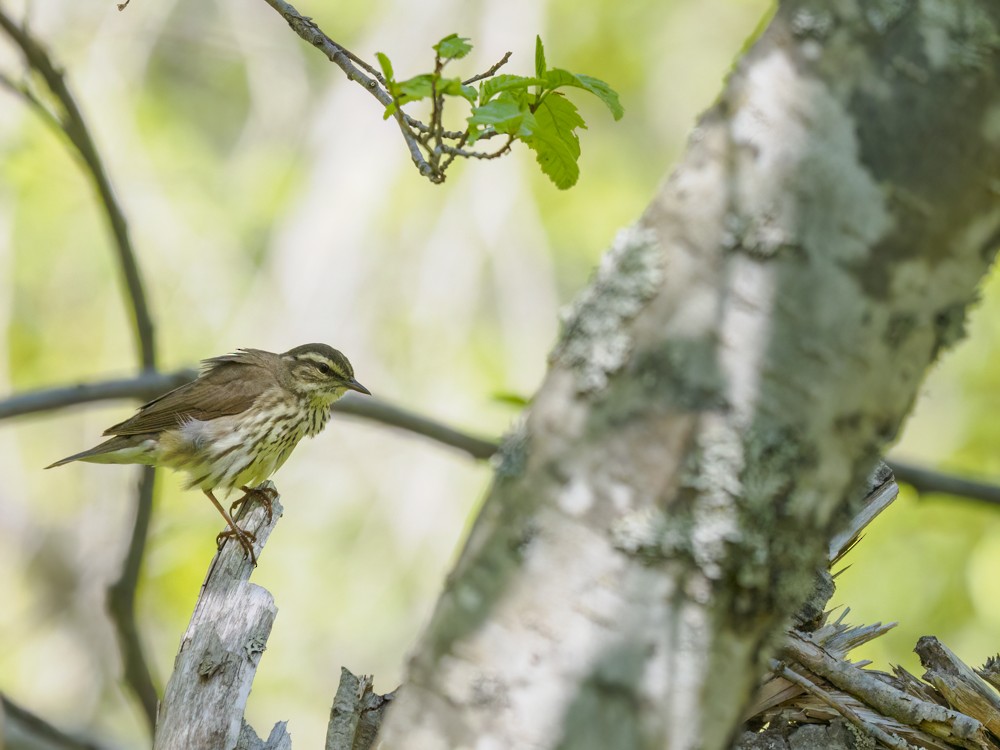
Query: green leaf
(505, 82)
(539, 58)
(416, 88)
(455, 87)
(453, 47)
(561, 113)
(513, 399)
(383, 61)
(410, 90)
(558, 77)
(554, 139)
(604, 92)
(557, 116)
(503, 115)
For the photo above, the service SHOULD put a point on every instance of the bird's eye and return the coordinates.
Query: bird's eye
(325, 369)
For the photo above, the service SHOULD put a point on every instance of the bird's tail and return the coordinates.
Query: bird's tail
(129, 449)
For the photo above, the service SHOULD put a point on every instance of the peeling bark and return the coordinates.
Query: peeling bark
(722, 390)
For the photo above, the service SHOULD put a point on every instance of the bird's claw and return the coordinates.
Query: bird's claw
(245, 539)
(266, 494)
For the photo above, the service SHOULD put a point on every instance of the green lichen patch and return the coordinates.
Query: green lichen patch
(595, 342)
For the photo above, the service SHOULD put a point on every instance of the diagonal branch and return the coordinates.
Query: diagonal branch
(70, 121)
(306, 28)
(121, 602)
(489, 73)
(20, 728)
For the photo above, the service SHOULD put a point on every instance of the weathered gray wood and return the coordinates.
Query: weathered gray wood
(958, 683)
(356, 714)
(204, 701)
(882, 491)
(279, 738)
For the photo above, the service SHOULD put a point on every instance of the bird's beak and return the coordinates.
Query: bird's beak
(354, 385)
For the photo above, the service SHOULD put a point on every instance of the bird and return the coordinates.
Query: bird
(235, 424)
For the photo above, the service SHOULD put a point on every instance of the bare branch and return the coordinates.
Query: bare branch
(929, 481)
(453, 135)
(121, 602)
(395, 416)
(19, 728)
(477, 155)
(71, 123)
(489, 73)
(149, 385)
(306, 28)
(145, 386)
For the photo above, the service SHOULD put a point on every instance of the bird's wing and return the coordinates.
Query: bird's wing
(226, 387)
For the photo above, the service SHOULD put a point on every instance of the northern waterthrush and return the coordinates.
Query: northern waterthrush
(236, 424)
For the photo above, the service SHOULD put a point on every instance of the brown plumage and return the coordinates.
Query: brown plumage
(234, 425)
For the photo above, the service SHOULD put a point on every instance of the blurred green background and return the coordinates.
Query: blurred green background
(272, 206)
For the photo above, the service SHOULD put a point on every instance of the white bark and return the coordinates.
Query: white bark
(722, 389)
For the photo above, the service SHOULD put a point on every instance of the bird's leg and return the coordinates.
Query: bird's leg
(245, 538)
(265, 494)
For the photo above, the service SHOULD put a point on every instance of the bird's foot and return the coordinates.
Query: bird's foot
(266, 495)
(245, 539)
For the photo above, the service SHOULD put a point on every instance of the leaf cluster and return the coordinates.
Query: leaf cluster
(534, 110)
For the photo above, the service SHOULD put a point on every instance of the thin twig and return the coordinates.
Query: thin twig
(149, 385)
(491, 72)
(929, 481)
(477, 155)
(437, 105)
(306, 28)
(121, 595)
(415, 133)
(453, 135)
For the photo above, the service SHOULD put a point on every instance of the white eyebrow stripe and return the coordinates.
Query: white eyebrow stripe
(314, 357)
(318, 359)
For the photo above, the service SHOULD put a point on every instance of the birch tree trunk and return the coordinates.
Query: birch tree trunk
(722, 389)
